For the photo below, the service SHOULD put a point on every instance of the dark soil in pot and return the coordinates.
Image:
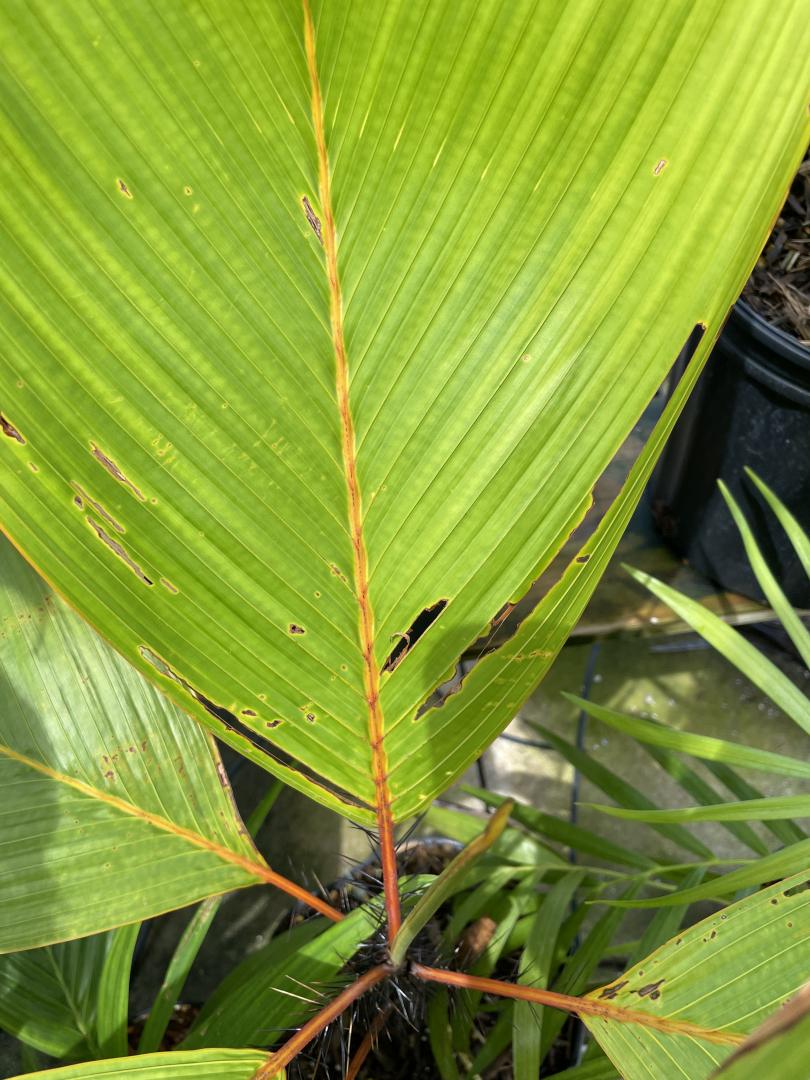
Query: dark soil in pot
(402, 1050)
(750, 408)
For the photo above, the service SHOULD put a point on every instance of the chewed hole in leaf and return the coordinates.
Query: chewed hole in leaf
(421, 624)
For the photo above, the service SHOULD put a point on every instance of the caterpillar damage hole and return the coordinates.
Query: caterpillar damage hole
(233, 724)
(118, 550)
(421, 624)
(114, 471)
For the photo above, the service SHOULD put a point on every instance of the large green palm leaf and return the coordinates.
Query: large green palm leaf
(306, 334)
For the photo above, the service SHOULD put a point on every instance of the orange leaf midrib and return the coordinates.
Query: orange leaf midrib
(371, 671)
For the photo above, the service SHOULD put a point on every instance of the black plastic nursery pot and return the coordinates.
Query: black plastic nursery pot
(751, 407)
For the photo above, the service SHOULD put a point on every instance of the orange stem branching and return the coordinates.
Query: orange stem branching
(294, 1045)
(582, 1006)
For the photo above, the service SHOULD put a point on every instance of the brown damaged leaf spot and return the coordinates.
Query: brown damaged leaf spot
(169, 586)
(114, 471)
(421, 624)
(273, 723)
(118, 550)
(313, 219)
(123, 188)
(82, 499)
(294, 628)
(11, 431)
(248, 712)
(612, 991)
(337, 572)
(660, 166)
(651, 990)
(582, 558)
(233, 724)
(803, 886)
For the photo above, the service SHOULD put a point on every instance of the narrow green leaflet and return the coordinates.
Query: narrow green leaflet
(784, 807)
(778, 864)
(536, 968)
(665, 923)
(705, 794)
(564, 832)
(112, 1014)
(700, 746)
(190, 943)
(280, 985)
(727, 972)
(796, 534)
(620, 790)
(788, 617)
(49, 996)
(115, 805)
(764, 674)
(787, 832)
(314, 325)
(201, 1065)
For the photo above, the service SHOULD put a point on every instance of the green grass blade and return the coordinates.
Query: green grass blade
(440, 1035)
(177, 971)
(731, 644)
(578, 969)
(788, 617)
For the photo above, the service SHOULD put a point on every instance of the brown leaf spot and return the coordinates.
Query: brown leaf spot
(296, 629)
(122, 187)
(613, 990)
(168, 585)
(651, 990)
(83, 499)
(660, 166)
(118, 550)
(113, 470)
(314, 221)
(9, 430)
